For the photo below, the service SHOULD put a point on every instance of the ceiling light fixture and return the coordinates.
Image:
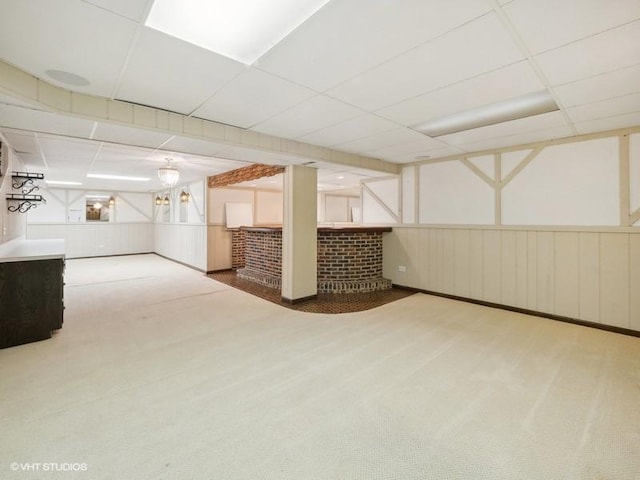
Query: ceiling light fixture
(243, 30)
(512, 109)
(67, 78)
(61, 182)
(117, 177)
(168, 175)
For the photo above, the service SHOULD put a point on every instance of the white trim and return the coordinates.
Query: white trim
(379, 201)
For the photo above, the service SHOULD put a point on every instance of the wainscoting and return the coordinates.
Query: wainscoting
(583, 274)
(97, 239)
(183, 243)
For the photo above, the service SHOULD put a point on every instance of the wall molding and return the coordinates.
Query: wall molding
(531, 228)
(525, 311)
(379, 201)
(533, 145)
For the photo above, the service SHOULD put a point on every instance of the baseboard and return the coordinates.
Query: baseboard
(535, 313)
(202, 270)
(290, 301)
(110, 255)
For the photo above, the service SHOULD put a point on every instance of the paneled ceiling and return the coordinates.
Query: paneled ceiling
(357, 76)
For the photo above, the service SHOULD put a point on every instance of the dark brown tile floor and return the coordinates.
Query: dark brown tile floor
(325, 303)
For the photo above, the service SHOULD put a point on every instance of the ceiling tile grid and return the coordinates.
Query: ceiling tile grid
(357, 76)
(72, 36)
(478, 47)
(173, 75)
(548, 24)
(501, 84)
(601, 53)
(253, 97)
(348, 37)
(306, 117)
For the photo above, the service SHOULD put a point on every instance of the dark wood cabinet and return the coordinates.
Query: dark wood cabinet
(31, 300)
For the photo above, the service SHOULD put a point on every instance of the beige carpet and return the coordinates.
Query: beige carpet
(163, 373)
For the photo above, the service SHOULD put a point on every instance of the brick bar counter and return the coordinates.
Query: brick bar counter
(349, 258)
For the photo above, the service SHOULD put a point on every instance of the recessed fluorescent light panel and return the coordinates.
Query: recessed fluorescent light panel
(243, 30)
(61, 182)
(117, 177)
(513, 109)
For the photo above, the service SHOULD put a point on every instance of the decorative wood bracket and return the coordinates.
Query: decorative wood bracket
(26, 202)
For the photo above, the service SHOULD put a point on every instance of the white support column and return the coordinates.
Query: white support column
(299, 234)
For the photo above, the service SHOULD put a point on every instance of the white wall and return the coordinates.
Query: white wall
(570, 184)
(634, 154)
(183, 237)
(267, 206)
(451, 193)
(592, 276)
(128, 231)
(95, 239)
(337, 208)
(12, 225)
(182, 242)
(381, 200)
(544, 228)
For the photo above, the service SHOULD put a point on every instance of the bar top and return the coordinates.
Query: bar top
(24, 250)
(323, 229)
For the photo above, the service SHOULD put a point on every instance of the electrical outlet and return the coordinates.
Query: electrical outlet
(402, 268)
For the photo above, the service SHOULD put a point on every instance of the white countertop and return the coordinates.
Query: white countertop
(24, 250)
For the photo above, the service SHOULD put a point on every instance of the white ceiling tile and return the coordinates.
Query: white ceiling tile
(190, 145)
(389, 138)
(33, 162)
(520, 139)
(109, 132)
(133, 9)
(605, 108)
(609, 123)
(313, 114)
(547, 24)
(354, 129)
(251, 98)
(21, 142)
(168, 73)
(39, 121)
(62, 150)
(249, 155)
(514, 127)
(477, 47)
(10, 100)
(71, 36)
(607, 85)
(504, 83)
(348, 37)
(605, 52)
(407, 153)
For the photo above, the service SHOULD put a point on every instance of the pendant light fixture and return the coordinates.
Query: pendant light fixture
(168, 175)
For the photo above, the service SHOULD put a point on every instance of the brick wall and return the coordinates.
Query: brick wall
(350, 262)
(263, 258)
(238, 239)
(244, 174)
(349, 256)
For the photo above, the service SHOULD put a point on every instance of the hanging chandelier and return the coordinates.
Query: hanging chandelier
(168, 175)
